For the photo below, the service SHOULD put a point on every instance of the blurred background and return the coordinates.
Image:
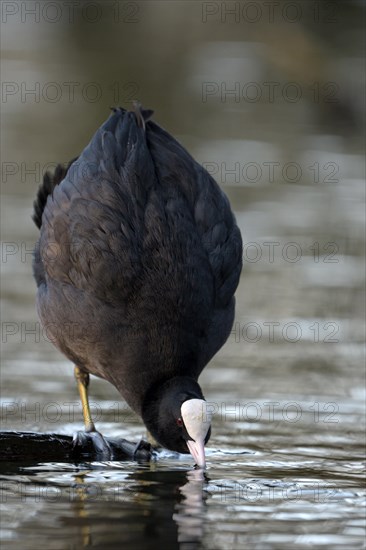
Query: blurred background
(269, 97)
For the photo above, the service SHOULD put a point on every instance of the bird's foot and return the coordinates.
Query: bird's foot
(92, 443)
(141, 446)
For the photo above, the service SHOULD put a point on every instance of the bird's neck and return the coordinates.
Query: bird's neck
(179, 388)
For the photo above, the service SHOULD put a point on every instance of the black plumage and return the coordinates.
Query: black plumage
(137, 263)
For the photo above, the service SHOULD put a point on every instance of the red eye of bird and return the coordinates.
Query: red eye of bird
(179, 422)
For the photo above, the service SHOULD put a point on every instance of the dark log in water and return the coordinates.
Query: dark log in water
(45, 447)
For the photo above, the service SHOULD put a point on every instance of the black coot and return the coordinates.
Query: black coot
(137, 263)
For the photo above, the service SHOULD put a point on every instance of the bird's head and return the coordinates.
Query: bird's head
(180, 419)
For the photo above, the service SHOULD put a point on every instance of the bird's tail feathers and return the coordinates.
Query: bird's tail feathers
(46, 188)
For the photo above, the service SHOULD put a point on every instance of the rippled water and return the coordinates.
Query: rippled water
(286, 457)
(267, 485)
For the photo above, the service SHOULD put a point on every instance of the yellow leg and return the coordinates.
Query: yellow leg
(82, 380)
(151, 439)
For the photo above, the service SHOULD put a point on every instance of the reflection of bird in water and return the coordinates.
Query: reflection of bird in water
(190, 511)
(140, 254)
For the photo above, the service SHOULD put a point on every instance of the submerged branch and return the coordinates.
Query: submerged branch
(50, 447)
